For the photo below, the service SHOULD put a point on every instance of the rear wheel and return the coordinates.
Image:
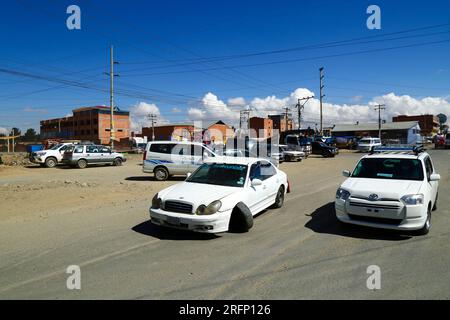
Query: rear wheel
(117, 162)
(161, 174)
(279, 200)
(82, 164)
(50, 162)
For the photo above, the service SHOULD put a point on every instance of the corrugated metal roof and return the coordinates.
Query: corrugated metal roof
(374, 126)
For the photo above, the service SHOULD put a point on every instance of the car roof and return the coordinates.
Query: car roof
(235, 160)
(395, 155)
(175, 142)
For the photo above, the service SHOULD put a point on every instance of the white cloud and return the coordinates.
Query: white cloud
(139, 116)
(214, 108)
(4, 131)
(175, 110)
(238, 101)
(211, 109)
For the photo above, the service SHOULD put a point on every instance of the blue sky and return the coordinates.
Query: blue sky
(159, 45)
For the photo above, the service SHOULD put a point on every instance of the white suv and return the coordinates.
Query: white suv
(51, 157)
(392, 188)
(366, 144)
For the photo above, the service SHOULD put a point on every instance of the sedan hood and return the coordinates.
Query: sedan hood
(197, 193)
(391, 189)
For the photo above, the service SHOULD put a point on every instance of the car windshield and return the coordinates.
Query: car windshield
(56, 147)
(365, 141)
(389, 168)
(222, 174)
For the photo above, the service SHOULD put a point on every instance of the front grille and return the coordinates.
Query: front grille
(375, 220)
(375, 205)
(176, 206)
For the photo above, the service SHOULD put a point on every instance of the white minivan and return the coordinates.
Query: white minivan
(366, 144)
(167, 158)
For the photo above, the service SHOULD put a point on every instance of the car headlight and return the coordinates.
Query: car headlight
(412, 199)
(342, 194)
(156, 202)
(212, 208)
(40, 153)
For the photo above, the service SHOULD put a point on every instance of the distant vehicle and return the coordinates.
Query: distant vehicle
(246, 154)
(167, 158)
(224, 193)
(292, 155)
(324, 150)
(299, 143)
(393, 188)
(447, 141)
(82, 156)
(366, 144)
(50, 157)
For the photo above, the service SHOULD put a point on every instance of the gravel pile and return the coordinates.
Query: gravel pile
(14, 159)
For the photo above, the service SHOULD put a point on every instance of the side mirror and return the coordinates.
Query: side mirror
(188, 174)
(346, 173)
(256, 182)
(435, 177)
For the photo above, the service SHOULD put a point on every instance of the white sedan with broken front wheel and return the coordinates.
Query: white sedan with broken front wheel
(224, 193)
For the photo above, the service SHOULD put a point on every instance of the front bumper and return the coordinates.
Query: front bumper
(36, 159)
(411, 217)
(214, 223)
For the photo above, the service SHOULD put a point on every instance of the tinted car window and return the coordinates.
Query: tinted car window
(255, 171)
(104, 149)
(428, 167)
(389, 168)
(92, 149)
(161, 147)
(78, 149)
(232, 175)
(267, 170)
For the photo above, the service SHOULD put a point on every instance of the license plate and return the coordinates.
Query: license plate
(173, 220)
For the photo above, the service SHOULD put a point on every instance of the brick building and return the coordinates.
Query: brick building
(261, 127)
(279, 122)
(219, 132)
(429, 124)
(178, 131)
(88, 123)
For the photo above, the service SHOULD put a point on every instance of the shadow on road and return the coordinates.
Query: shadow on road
(162, 233)
(151, 178)
(323, 220)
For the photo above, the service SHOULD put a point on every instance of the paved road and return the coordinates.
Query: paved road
(296, 252)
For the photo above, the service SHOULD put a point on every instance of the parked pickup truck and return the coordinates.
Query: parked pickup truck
(51, 157)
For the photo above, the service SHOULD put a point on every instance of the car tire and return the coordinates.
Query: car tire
(51, 162)
(241, 219)
(435, 203)
(279, 199)
(81, 163)
(161, 173)
(427, 226)
(117, 162)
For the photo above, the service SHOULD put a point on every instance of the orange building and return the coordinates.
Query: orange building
(261, 127)
(429, 124)
(88, 123)
(219, 132)
(170, 132)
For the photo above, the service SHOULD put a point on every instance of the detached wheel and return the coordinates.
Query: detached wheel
(50, 162)
(241, 219)
(427, 226)
(279, 200)
(161, 174)
(82, 164)
(117, 162)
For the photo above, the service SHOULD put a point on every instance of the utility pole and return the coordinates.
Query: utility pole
(300, 106)
(286, 118)
(321, 98)
(152, 118)
(111, 95)
(378, 108)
